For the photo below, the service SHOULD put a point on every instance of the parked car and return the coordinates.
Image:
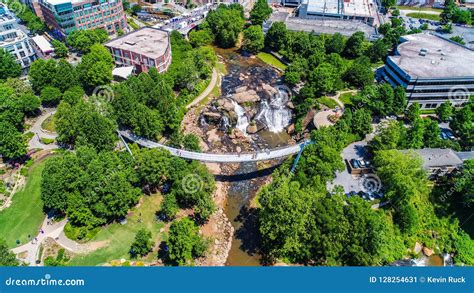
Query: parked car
(355, 163)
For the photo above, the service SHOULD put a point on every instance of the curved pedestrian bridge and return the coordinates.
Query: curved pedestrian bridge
(219, 158)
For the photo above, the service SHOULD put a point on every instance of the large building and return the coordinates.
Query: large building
(363, 10)
(14, 40)
(144, 48)
(70, 15)
(432, 70)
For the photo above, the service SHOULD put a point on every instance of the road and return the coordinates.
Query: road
(218, 158)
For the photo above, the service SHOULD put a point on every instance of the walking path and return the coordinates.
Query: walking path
(207, 91)
(31, 249)
(218, 158)
(39, 132)
(54, 230)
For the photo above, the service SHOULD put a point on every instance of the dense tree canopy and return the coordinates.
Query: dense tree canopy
(253, 39)
(7, 258)
(142, 244)
(91, 188)
(184, 242)
(83, 40)
(225, 23)
(81, 124)
(8, 65)
(260, 12)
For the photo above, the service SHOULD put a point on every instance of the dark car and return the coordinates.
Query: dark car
(355, 164)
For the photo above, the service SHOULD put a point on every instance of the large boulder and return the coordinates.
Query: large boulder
(245, 97)
(212, 117)
(225, 104)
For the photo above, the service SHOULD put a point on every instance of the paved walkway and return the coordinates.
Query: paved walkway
(207, 91)
(32, 248)
(39, 132)
(218, 158)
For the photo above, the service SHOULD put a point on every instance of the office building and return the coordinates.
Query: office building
(69, 15)
(432, 70)
(144, 48)
(362, 10)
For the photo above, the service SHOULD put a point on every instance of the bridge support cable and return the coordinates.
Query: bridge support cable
(126, 144)
(298, 156)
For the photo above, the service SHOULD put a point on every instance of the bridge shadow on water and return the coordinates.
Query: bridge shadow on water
(246, 175)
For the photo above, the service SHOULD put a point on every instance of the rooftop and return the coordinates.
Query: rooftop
(428, 56)
(433, 158)
(147, 41)
(42, 43)
(342, 7)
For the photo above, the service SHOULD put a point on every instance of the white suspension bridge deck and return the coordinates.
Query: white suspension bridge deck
(219, 158)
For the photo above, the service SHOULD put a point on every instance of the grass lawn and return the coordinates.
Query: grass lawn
(328, 102)
(422, 15)
(271, 60)
(419, 8)
(132, 23)
(49, 124)
(345, 98)
(25, 214)
(122, 236)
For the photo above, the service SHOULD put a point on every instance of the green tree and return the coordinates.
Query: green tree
(8, 66)
(462, 125)
(136, 9)
(324, 79)
(50, 95)
(83, 40)
(464, 184)
(184, 242)
(60, 49)
(225, 23)
(260, 12)
(335, 44)
(362, 122)
(253, 39)
(169, 207)
(152, 166)
(355, 45)
(42, 73)
(7, 258)
(378, 50)
(199, 38)
(142, 244)
(95, 68)
(12, 145)
(413, 112)
(445, 111)
(276, 37)
(360, 72)
(390, 136)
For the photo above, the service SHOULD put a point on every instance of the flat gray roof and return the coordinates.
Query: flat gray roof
(147, 41)
(433, 158)
(443, 58)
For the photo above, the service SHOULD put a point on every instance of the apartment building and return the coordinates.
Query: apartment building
(14, 40)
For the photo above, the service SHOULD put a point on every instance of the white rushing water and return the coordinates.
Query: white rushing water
(275, 114)
(242, 119)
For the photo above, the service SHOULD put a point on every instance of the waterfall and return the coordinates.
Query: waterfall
(224, 123)
(275, 114)
(242, 119)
